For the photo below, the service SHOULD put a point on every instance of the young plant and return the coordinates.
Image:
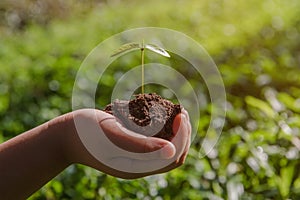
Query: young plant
(147, 114)
(134, 46)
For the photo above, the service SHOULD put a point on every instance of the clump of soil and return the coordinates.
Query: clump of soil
(148, 114)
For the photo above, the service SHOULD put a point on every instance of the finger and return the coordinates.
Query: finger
(187, 146)
(183, 111)
(148, 167)
(137, 143)
(188, 119)
(178, 162)
(182, 158)
(180, 128)
(139, 164)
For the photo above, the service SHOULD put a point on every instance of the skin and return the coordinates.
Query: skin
(33, 158)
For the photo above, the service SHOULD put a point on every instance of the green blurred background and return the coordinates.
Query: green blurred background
(255, 44)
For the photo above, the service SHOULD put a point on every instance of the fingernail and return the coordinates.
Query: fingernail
(168, 151)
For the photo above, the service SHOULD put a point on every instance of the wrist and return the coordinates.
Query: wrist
(72, 149)
(63, 129)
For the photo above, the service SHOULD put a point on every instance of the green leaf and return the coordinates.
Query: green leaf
(157, 49)
(126, 48)
(57, 186)
(285, 180)
(261, 105)
(132, 46)
(289, 101)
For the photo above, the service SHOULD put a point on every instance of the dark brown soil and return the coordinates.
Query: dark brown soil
(148, 114)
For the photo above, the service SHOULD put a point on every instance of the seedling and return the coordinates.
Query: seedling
(148, 114)
(134, 46)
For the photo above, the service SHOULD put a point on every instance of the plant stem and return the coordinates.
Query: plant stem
(143, 73)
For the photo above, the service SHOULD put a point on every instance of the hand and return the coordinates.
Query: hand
(99, 141)
(89, 137)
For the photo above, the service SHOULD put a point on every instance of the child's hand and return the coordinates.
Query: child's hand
(99, 141)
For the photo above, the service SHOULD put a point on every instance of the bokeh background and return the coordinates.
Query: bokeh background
(255, 44)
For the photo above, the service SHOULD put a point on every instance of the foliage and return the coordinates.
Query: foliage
(256, 47)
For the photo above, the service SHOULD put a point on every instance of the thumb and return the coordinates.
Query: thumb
(163, 148)
(144, 147)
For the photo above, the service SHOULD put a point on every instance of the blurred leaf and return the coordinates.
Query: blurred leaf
(57, 186)
(285, 180)
(289, 101)
(261, 105)
(4, 103)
